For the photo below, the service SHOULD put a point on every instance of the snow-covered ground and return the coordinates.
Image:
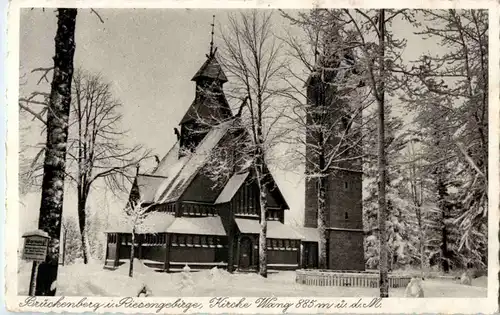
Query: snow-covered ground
(92, 280)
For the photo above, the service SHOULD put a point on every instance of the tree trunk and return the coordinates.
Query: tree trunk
(443, 207)
(54, 167)
(382, 212)
(421, 240)
(65, 235)
(230, 251)
(132, 254)
(263, 230)
(322, 224)
(82, 223)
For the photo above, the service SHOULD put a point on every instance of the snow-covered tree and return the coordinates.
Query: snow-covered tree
(70, 241)
(96, 145)
(330, 109)
(54, 166)
(378, 53)
(136, 213)
(449, 91)
(95, 149)
(250, 54)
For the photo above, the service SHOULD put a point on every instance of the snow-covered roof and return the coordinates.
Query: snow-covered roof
(182, 171)
(36, 233)
(198, 225)
(170, 158)
(308, 234)
(232, 186)
(148, 184)
(275, 229)
(155, 222)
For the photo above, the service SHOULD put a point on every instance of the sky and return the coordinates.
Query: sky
(149, 56)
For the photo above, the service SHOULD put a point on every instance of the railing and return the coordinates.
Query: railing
(348, 279)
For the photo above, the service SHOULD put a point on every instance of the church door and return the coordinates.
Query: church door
(245, 252)
(311, 255)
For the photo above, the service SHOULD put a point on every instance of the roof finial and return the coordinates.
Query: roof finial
(212, 40)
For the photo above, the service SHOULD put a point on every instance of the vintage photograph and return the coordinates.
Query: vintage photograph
(320, 152)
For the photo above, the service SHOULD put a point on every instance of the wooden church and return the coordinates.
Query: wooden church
(196, 222)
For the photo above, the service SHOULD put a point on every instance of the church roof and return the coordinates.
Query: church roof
(232, 186)
(155, 222)
(214, 106)
(179, 174)
(198, 226)
(211, 69)
(147, 185)
(275, 229)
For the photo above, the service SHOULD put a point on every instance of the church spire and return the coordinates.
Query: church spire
(212, 39)
(211, 70)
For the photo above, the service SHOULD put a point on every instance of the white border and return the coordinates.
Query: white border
(390, 305)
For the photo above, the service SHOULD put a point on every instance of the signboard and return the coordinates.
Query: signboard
(35, 247)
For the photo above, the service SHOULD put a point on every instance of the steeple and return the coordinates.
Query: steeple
(211, 70)
(212, 40)
(210, 106)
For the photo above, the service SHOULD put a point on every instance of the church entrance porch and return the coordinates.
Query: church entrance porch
(246, 255)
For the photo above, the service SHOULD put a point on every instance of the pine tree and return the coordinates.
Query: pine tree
(452, 89)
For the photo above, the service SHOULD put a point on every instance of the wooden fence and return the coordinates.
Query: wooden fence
(347, 279)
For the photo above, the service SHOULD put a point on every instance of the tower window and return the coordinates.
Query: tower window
(346, 185)
(346, 215)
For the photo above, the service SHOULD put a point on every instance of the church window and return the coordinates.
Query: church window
(268, 243)
(346, 185)
(210, 241)
(196, 240)
(218, 242)
(204, 241)
(189, 240)
(287, 244)
(280, 244)
(275, 243)
(346, 215)
(181, 240)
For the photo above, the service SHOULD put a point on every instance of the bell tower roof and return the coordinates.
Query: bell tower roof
(211, 69)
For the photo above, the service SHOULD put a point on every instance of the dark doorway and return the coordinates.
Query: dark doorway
(310, 255)
(245, 252)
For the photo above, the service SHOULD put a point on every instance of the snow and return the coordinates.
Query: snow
(170, 175)
(170, 158)
(275, 229)
(155, 222)
(308, 234)
(93, 280)
(148, 185)
(197, 225)
(180, 174)
(37, 233)
(231, 188)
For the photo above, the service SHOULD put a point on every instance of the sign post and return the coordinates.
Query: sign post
(35, 248)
